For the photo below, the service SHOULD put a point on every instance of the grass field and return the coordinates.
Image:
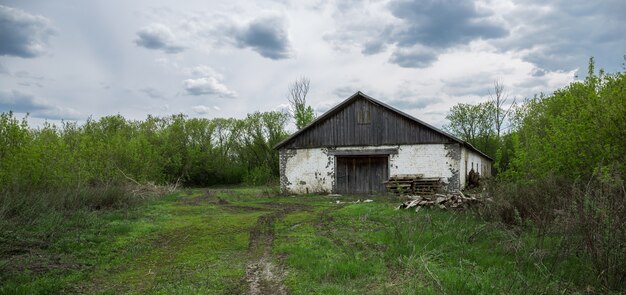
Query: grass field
(252, 240)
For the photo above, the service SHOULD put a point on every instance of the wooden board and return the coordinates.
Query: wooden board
(361, 175)
(347, 127)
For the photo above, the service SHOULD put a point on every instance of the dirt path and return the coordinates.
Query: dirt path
(263, 275)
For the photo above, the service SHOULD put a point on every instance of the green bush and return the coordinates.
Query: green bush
(114, 150)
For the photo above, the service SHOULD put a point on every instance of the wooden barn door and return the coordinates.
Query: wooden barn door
(361, 175)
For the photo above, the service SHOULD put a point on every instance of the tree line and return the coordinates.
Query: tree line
(573, 132)
(105, 152)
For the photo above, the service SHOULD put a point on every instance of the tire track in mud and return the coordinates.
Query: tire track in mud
(263, 275)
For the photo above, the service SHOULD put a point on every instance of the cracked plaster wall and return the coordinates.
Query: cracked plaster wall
(312, 170)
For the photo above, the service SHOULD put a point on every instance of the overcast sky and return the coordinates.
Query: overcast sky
(74, 59)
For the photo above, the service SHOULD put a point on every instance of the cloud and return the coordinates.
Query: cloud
(27, 75)
(202, 70)
(26, 103)
(206, 81)
(562, 35)
(413, 58)
(373, 47)
(409, 104)
(416, 31)
(201, 109)
(152, 92)
(23, 34)
(158, 37)
(427, 28)
(478, 84)
(537, 72)
(265, 35)
(345, 91)
(442, 23)
(208, 86)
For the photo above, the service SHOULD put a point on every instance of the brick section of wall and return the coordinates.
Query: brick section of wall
(431, 160)
(453, 155)
(283, 159)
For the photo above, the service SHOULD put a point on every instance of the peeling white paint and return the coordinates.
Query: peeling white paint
(309, 171)
(312, 170)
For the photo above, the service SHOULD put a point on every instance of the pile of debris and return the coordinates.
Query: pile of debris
(353, 202)
(413, 184)
(456, 200)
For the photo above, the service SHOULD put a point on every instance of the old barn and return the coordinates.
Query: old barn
(357, 145)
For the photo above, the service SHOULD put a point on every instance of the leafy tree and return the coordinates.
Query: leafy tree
(474, 124)
(576, 130)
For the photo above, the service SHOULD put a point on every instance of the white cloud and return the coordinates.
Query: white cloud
(208, 86)
(201, 109)
(158, 37)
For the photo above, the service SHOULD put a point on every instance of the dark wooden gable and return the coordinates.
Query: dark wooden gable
(361, 120)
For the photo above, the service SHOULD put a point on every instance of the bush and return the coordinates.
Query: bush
(261, 175)
(594, 225)
(589, 216)
(29, 205)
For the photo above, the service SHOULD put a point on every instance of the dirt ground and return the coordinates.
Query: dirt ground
(264, 273)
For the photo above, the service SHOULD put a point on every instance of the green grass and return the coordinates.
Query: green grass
(198, 242)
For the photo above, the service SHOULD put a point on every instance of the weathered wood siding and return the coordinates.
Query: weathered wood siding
(365, 123)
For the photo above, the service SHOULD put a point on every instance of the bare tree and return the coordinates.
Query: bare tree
(298, 90)
(499, 99)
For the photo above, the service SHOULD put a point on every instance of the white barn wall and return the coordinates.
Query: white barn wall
(312, 170)
(481, 164)
(307, 170)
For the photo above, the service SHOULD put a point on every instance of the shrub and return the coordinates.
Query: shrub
(589, 216)
(594, 225)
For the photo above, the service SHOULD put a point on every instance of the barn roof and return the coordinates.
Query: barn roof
(360, 95)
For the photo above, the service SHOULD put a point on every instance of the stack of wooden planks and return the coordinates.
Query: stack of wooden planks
(413, 184)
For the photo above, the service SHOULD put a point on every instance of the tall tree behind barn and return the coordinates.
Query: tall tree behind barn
(358, 144)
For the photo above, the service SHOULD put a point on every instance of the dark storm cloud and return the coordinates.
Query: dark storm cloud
(158, 37)
(373, 47)
(432, 26)
(267, 36)
(19, 102)
(536, 72)
(22, 34)
(442, 23)
(411, 58)
(562, 35)
(26, 103)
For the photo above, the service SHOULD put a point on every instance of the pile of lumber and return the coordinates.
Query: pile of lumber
(413, 184)
(456, 200)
